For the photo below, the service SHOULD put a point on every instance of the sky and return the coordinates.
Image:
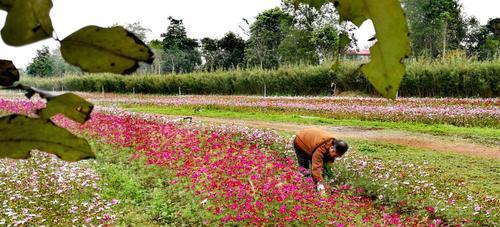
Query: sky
(202, 18)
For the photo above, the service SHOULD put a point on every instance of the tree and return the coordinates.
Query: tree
(159, 54)
(138, 30)
(61, 67)
(42, 65)
(298, 46)
(493, 26)
(226, 53)
(326, 39)
(210, 53)
(181, 53)
(323, 23)
(482, 41)
(232, 49)
(314, 34)
(48, 63)
(435, 26)
(266, 34)
(492, 45)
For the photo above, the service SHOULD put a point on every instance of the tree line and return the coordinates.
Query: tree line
(291, 35)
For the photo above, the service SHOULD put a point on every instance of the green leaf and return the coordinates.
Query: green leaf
(8, 73)
(28, 21)
(96, 49)
(6, 4)
(21, 134)
(70, 105)
(386, 70)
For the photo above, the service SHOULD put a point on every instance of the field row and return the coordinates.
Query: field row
(458, 112)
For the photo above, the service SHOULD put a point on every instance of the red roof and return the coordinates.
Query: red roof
(361, 52)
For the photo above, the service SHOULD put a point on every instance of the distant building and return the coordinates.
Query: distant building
(361, 55)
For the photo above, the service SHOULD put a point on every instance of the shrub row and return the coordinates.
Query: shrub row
(455, 79)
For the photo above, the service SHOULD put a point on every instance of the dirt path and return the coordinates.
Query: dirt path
(410, 139)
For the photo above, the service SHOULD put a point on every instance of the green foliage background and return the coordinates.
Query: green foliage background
(422, 79)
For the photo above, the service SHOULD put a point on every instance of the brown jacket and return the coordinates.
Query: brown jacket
(315, 143)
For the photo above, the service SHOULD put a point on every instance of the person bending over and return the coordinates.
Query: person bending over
(318, 147)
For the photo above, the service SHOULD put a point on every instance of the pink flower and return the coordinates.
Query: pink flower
(283, 209)
(345, 187)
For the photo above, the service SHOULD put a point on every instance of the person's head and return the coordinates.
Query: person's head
(338, 148)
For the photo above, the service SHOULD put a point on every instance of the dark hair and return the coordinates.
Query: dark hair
(340, 146)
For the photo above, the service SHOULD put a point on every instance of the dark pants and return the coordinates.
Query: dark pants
(303, 159)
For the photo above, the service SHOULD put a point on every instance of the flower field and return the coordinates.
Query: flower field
(41, 191)
(245, 176)
(459, 112)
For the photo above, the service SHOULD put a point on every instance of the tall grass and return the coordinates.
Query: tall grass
(452, 78)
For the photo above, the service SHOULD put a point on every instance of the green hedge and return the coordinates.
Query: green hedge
(458, 79)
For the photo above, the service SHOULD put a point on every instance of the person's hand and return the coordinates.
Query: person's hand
(321, 188)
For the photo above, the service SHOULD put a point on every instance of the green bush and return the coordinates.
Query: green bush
(462, 78)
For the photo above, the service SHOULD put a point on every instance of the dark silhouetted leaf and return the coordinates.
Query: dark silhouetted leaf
(6, 4)
(8, 73)
(28, 21)
(70, 105)
(96, 49)
(21, 134)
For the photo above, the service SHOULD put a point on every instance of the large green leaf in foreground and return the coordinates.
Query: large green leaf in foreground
(70, 105)
(27, 21)
(96, 49)
(20, 134)
(386, 70)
